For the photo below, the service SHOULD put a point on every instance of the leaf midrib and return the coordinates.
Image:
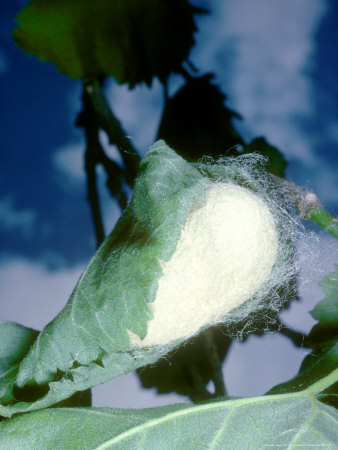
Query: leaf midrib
(227, 404)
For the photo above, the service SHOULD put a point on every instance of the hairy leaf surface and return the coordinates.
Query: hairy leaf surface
(134, 40)
(88, 342)
(286, 421)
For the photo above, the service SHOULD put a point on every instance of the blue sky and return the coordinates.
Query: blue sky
(275, 60)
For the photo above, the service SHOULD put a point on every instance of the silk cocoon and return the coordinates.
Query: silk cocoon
(226, 250)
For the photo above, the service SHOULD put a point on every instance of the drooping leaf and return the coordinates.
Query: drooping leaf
(15, 342)
(133, 40)
(276, 163)
(88, 342)
(285, 421)
(196, 122)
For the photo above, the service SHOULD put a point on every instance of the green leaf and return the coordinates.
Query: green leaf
(326, 311)
(276, 162)
(15, 342)
(195, 121)
(285, 421)
(134, 40)
(324, 219)
(325, 333)
(88, 342)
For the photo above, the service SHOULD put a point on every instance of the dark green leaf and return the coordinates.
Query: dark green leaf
(195, 121)
(276, 162)
(134, 40)
(15, 342)
(285, 421)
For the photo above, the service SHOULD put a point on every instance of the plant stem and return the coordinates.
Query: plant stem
(88, 121)
(111, 125)
(93, 198)
(309, 207)
(296, 337)
(322, 218)
(215, 362)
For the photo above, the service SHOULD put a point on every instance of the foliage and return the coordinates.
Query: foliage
(133, 40)
(88, 342)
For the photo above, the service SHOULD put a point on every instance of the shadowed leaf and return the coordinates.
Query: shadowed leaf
(196, 123)
(133, 40)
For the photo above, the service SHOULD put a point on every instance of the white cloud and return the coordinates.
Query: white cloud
(139, 111)
(31, 293)
(261, 51)
(12, 218)
(69, 164)
(69, 161)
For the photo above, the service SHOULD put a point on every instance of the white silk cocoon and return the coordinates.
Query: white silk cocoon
(227, 249)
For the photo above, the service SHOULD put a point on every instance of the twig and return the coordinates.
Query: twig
(93, 198)
(322, 218)
(198, 392)
(111, 125)
(215, 362)
(296, 337)
(309, 207)
(88, 121)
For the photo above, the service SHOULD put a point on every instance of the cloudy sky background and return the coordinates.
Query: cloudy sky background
(274, 59)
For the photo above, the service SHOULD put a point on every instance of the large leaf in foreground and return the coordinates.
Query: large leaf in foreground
(88, 342)
(134, 40)
(284, 421)
(15, 342)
